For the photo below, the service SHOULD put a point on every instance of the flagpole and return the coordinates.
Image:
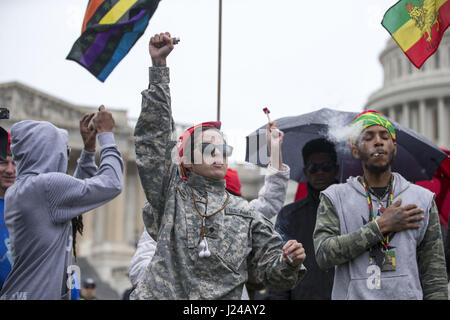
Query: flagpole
(220, 60)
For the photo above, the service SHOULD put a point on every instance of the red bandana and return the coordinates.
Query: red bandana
(185, 137)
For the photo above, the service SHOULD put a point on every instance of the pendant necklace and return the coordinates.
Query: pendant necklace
(384, 257)
(204, 250)
(390, 199)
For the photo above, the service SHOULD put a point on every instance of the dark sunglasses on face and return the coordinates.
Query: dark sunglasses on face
(210, 148)
(315, 167)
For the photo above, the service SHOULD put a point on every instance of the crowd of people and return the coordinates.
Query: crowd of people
(376, 236)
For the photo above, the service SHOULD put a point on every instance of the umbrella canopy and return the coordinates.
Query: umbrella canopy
(417, 157)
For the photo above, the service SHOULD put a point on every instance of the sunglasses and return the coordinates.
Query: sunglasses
(315, 167)
(210, 148)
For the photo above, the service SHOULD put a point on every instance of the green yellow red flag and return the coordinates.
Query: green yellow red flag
(418, 26)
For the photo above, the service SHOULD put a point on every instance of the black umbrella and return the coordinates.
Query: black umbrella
(417, 157)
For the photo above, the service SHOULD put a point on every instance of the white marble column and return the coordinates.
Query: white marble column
(405, 115)
(422, 117)
(131, 205)
(115, 216)
(98, 225)
(387, 112)
(443, 118)
(393, 114)
(414, 118)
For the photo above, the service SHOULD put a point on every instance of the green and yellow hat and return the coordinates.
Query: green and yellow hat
(367, 119)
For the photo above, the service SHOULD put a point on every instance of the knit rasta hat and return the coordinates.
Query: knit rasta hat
(367, 119)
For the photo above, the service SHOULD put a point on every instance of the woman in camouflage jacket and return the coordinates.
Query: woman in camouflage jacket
(242, 244)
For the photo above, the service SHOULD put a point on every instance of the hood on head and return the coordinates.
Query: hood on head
(38, 147)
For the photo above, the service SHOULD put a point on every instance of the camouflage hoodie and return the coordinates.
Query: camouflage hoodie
(243, 244)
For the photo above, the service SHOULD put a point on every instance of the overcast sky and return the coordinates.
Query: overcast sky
(291, 56)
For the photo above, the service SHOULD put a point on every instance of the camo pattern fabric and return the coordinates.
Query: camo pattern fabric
(431, 260)
(331, 247)
(243, 244)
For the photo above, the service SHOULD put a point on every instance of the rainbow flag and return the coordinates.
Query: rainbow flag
(417, 26)
(110, 29)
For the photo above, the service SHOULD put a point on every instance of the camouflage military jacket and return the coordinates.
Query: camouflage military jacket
(243, 244)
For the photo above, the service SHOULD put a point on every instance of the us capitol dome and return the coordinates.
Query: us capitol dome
(416, 98)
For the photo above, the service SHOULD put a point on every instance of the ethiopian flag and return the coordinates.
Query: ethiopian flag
(110, 29)
(417, 26)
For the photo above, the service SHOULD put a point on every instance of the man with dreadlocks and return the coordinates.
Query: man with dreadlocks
(41, 205)
(209, 243)
(379, 231)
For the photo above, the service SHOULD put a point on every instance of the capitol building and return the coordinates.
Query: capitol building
(416, 98)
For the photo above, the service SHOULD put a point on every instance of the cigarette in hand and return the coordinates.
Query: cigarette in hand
(290, 259)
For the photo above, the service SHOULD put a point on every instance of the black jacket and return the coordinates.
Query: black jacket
(297, 221)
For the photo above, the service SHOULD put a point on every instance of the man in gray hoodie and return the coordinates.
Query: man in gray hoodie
(40, 206)
(209, 243)
(380, 232)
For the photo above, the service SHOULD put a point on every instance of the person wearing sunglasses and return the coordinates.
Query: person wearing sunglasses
(270, 200)
(209, 242)
(298, 219)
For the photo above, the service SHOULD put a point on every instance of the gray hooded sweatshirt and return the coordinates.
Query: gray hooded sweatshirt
(40, 205)
(418, 252)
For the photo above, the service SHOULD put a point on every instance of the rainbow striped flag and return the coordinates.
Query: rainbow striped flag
(110, 30)
(417, 26)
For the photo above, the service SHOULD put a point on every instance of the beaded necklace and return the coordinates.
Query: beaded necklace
(389, 202)
(203, 243)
